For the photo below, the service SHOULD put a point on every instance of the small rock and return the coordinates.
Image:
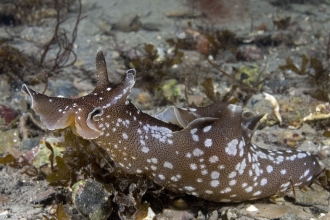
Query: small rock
(229, 214)
(151, 215)
(175, 214)
(272, 211)
(200, 216)
(183, 13)
(180, 204)
(314, 195)
(92, 199)
(251, 208)
(151, 26)
(29, 143)
(8, 117)
(128, 23)
(214, 215)
(249, 53)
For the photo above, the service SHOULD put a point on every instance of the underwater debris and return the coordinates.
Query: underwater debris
(152, 65)
(65, 55)
(221, 40)
(170, 90)
(19, 67)
(220, 10)
(318, 75)
(128, 23)
(324, 179)
(8, 117)
(239, 84)
(7, 159)
(22, 68)
(287, 3)
(208, 90)
(276, 106)
(283, 23)
(15, 13)
(21, 162)
(60, 214)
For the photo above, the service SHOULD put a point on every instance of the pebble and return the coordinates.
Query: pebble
(252, 208)
(92, 200)
(128, 23)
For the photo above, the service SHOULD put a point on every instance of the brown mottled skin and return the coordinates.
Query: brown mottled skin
(204, 152)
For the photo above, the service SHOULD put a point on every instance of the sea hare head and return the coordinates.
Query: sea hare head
(82, 113)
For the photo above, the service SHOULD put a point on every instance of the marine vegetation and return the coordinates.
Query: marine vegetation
(317, 75)
(56, 54)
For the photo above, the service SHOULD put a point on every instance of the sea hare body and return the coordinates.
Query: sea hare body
(205, 152)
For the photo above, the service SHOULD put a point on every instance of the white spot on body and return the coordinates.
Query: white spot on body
(306, 173)
(232, 174)
(221, 167)
(231, 148)
(215, 174)
(199, 180)
(188, 155)
(214, 159)
(234, 108)
(256, 193)
(241, 147)
(195, 137)
(145, 149)
(189, 188)
(263, 182)
(249, 189)
(208, 142)
(215, 183)
(301, 155)
(193, 131)
(208, 192)
(204, 172)
(279, 159)
(232, 182)
(240, 167)
(193, 166)
(207, 128)
(269, 169)
(226, 190)
(198, 152)
(174, 179)
(168, 165)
